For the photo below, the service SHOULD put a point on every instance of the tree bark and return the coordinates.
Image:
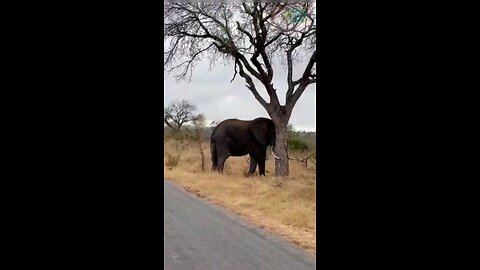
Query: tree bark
(202, 155)
(281, 144)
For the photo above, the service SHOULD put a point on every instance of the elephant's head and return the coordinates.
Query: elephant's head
(263, 131)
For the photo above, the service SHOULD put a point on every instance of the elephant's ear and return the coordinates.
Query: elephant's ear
(259, 131)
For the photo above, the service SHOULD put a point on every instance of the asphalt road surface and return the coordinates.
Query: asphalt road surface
(199, 235)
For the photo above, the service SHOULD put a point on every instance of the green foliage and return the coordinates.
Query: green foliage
(296, 144)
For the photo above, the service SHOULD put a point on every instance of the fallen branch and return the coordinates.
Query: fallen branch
(305, 159)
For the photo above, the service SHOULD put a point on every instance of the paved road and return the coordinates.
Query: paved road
(199, 235)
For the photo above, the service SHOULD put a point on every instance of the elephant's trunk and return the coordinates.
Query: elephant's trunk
(273, 154)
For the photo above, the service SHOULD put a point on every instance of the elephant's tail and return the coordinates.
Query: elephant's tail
(213, 150)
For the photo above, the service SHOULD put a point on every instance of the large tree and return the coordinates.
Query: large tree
(253, 36)
(179, 113)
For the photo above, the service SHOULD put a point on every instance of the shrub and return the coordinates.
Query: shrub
(173, 151)
(172, 160)
(296, 144)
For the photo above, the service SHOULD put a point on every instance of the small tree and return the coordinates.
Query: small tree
(251, 35)
(179, 113)
(197, 126)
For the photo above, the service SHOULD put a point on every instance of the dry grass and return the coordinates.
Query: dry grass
(285, 206)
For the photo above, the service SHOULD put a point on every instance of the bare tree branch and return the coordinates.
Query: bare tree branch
(290, 82)
(304, 81)
(168, 124)
(275, 11)
(250, 37)
(235, 74)
(198, 30)
(179, 113)
(190, 61)
(250, 85)
(308, 69)
(260, 37)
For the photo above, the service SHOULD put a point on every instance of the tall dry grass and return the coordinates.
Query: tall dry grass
(286, 206)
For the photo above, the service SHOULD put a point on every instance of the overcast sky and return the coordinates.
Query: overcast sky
(218, 99)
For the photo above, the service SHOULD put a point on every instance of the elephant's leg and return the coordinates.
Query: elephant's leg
(221, 163)
(214, 163)
(260, 158)
(261, 167)
(253, 165)
(222, 154)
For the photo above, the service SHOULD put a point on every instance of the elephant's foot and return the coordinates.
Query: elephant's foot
(217, 171)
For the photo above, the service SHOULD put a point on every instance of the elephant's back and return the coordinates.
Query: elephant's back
(227, 127)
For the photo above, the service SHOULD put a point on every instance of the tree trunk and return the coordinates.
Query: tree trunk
(199, 142)
(202, 154)
(281, 147)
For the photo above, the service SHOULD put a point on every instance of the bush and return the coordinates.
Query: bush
(173, 151)
(182, 135)
(172, 160)
(295, 144)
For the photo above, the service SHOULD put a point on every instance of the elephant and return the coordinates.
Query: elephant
(234, 137)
